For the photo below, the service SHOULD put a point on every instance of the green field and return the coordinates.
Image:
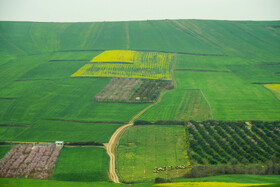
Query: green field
(51, 131)
(12, 182)
(43, 56)
(146, 147)
(82, 164)
(3, 150)
(220, 70)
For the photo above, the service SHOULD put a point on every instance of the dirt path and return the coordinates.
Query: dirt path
(110, 147)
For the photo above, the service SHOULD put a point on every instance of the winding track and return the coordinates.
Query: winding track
(110, 147)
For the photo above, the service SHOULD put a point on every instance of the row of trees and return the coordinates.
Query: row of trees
(213, 142)
(28, 161)
(270, 167)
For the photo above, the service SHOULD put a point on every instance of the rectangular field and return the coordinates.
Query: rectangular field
(50, 131)
(253, 74)
(29, 161)
(144, 149)
(124, 90)
(230, 97)
(129, 64)
(82, 164)
(216, 142)
(180, 105)
(194, 106)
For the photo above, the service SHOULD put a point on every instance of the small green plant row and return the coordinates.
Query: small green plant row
(218, 142)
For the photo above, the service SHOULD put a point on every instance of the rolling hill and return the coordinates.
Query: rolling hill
(79, 82)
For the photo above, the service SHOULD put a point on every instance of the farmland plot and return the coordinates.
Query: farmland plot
(150, 90)
(180, 105)
(213, 142)
(194, 106)
(29, 161)
(149, 151)
(132, 90)
(129, 64)
(119, 89)
(82, 164)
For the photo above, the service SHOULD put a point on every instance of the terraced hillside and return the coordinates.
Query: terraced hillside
(79, 82)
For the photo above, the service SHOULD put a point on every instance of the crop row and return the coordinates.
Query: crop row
(119, 89)
(28, 161)
(214, 142)
(150, 90)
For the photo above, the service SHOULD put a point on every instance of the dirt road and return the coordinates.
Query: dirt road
(110, 147)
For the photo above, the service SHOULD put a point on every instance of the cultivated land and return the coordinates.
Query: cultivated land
(144, 149)
(223, 70)
(82, 164)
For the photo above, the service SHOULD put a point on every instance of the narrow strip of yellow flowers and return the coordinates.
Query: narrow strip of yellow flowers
(211, 184)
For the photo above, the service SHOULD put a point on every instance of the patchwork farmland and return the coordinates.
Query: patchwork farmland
(139, 102)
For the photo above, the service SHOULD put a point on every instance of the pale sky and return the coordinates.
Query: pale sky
(123, 10)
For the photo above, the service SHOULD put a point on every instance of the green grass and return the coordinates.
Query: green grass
(48, 92)
(69, 98)
(147, 147)
(82, 164)
(230, 97)
(11, 182)
(4, 149)
(205, 63)
(10, 133)
(274, 68)
(68, 131)
(194, 106)
(180, 105)
(235, 178)
(253, 74)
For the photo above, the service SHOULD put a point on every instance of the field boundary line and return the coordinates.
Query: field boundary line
(207, 103)
(144, 50)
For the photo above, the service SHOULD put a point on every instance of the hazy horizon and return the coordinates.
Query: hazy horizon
(128, 10)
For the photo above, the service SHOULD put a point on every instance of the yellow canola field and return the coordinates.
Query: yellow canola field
(210, 184)
(275, 88)
(115, 56)
(143, 65)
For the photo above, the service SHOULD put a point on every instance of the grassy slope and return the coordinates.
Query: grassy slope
(3, 150)
(230, 97)
(27, 48)
(145, 148)
(82, 164)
